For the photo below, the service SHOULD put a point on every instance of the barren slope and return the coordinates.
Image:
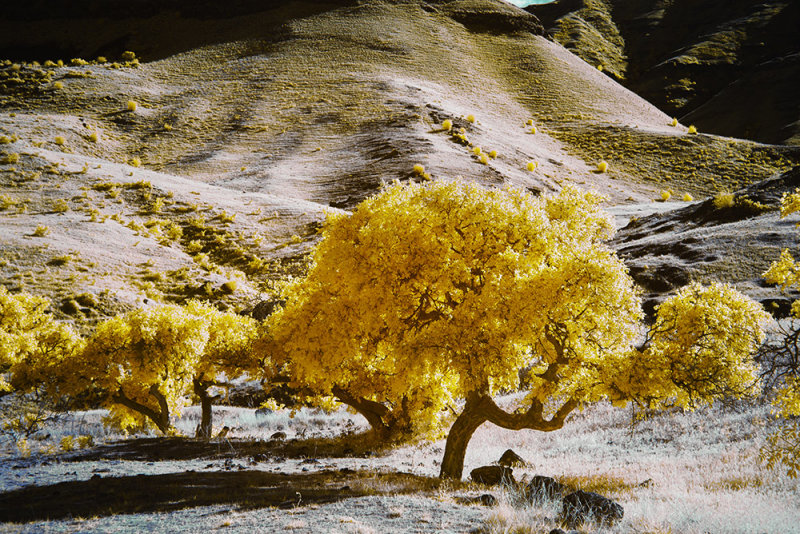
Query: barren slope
(250, 124)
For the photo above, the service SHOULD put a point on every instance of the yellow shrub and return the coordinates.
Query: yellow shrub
(724, 200)
(493, 154)
(665, 195)
(135, 162)
(692, 129)
(484, 159)
(447, 125)
(531, 166)
(419, 169)
(58, 85)
(60, 140)
(132, 105)
(674, 122)
(687, 197)
(471, 118)
(476, 150)
(602, 166)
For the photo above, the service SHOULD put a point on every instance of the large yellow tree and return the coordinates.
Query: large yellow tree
(434, 296)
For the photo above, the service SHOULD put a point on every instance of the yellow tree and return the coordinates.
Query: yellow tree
(227, 355)
(33, 346)
(783, 446)
(427, 294)
(146, 362)
(141, 364)
(32, 343)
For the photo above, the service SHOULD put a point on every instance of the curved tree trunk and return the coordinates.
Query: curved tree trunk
(160, 418)
(384, 423)
(479, 408)
(458, 438)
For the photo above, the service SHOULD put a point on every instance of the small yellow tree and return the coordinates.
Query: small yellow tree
(783, 446)
(427, 294)
(227, 355)
(145, 363)
(142, 364)
(32, 343)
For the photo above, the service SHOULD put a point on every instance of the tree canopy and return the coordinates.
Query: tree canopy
(32, 343)
(146, 362)
(427, 294)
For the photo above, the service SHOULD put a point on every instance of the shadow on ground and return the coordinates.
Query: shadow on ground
(175, 491)
(179, 448)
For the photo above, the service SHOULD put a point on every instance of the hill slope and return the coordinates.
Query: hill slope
(250, 124)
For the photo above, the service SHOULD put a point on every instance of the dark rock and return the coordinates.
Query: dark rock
(581, 506)
(278, 435)
(487, 499)
(511, 459)
(493, 475)
(541, 488)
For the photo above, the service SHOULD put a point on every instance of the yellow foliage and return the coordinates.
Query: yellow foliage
(132, 105)
(447, 125)
(665, 195)
(145, 361)
(783, 446)
(687, 197)
(427, 292)
(32, 343)
(602, 166)
(700, 348)
(724, 200)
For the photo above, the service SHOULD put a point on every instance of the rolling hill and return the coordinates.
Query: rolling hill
(203, 166)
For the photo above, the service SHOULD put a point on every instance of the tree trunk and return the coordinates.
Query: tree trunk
(458, 438)
(480, 408)
(205, 428)
(377, 415)
(160, 418)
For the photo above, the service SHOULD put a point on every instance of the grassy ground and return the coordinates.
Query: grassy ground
(676, 472)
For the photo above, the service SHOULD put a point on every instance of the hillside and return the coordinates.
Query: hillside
(252, 123)
(731, 68)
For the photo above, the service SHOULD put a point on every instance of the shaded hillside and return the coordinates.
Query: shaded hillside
(665, 251)
(204, 169)
(731, 68)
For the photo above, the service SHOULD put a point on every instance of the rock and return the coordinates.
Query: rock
(278, 435)
(487, 499)
(511, 459)
(544, 488)
(581, 506)
(493, 475)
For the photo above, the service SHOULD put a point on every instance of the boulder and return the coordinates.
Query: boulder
(581, 506)
(493, 475)
(511, 459)
(544, 488)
